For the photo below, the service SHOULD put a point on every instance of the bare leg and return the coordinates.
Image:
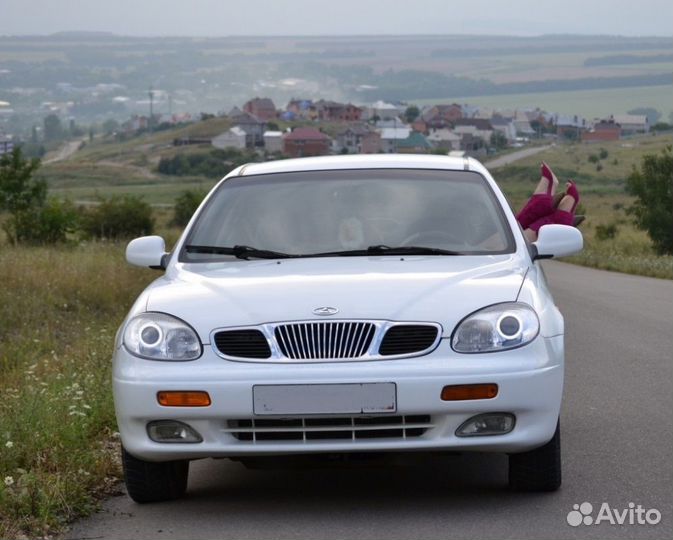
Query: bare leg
(566, 203)
(541, 186)
(541, 202)
(530, 235)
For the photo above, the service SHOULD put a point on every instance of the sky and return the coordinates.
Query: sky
(217, 18)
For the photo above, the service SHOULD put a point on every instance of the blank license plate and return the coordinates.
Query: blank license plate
(298, 399)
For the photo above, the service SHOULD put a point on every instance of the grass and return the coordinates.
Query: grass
(57, 435)
(604, 201)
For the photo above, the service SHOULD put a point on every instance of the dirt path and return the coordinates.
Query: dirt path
(65, 152)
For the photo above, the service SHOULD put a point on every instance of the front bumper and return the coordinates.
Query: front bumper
(530, 381)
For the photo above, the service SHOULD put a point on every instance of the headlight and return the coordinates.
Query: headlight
(158, 336)
(496, 328)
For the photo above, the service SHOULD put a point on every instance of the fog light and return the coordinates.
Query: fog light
(487, 424)
(172, 431)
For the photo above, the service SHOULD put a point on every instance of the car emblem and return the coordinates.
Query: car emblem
(325, 310)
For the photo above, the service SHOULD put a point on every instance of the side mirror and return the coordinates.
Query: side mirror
(147, 251)
(557, 241)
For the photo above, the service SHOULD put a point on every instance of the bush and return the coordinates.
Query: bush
(593, 158)
(19, 190)
(185, 206)
(603, 154)
(606, 232)
(652, 186)
(118, 217)
(46, 224)
(213, 164)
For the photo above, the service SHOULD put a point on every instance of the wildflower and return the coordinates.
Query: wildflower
(9, 480)
(9, 444)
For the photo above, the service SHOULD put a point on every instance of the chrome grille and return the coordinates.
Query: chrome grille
(318, 340)
(323, 340)
(311, 429)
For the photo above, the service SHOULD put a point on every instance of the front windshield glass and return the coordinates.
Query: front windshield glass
(305, 213)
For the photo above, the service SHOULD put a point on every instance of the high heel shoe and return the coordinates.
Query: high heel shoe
(574, 193)
(547, 173)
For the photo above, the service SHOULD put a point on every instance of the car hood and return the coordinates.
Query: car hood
(242, 293)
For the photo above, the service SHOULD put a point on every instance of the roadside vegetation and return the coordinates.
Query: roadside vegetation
(60, 307)
(612, 237)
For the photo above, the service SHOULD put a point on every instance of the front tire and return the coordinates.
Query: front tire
(539, 469)
(147, 481)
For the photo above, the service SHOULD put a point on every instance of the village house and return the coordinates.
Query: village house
(476, 127)
(273, 141)
(333, 111)
(391, 136)
(306, 141)
(136, 123)
(441, 116)
(631, 124)
(232, 138)
(358, 139)
(605, 130)
(504, 126)
(299, 109)
(382, 110)
(262, 108)
(6, 144)
(415, 143)
(444, 139)
(254, 127)
(473, 145)
(570, 127)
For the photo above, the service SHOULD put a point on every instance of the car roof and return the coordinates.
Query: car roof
(371, 161)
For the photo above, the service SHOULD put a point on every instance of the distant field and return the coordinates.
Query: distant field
(588, 103)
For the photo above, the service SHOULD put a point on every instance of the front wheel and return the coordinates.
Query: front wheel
(539, 469)
(147, 481)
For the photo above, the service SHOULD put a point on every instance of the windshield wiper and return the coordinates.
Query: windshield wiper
(240, 252)
(387, 250)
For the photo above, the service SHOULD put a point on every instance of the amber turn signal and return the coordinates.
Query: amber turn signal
(461, 392)
(190, 398)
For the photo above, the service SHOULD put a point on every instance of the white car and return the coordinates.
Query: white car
(346, 304)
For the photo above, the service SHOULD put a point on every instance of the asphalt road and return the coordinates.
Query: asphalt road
(616, 436)
(515, 156)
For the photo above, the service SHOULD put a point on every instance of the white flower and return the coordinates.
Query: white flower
(9, 480)
(9, 444)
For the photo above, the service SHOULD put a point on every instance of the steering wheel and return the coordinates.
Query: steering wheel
(433, 237)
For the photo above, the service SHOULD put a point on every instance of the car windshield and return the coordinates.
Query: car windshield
(350, 212)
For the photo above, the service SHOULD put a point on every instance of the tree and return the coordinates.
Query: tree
(185, 206)
(652, 186)
(53, 129)
(118, 217)
(19, 190)
(498, 140)
(32, 218)
(411, 113)
(110, 126)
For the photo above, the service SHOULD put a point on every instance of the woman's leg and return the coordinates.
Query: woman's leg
(563, 215)
(530, 235)
(541, 202)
